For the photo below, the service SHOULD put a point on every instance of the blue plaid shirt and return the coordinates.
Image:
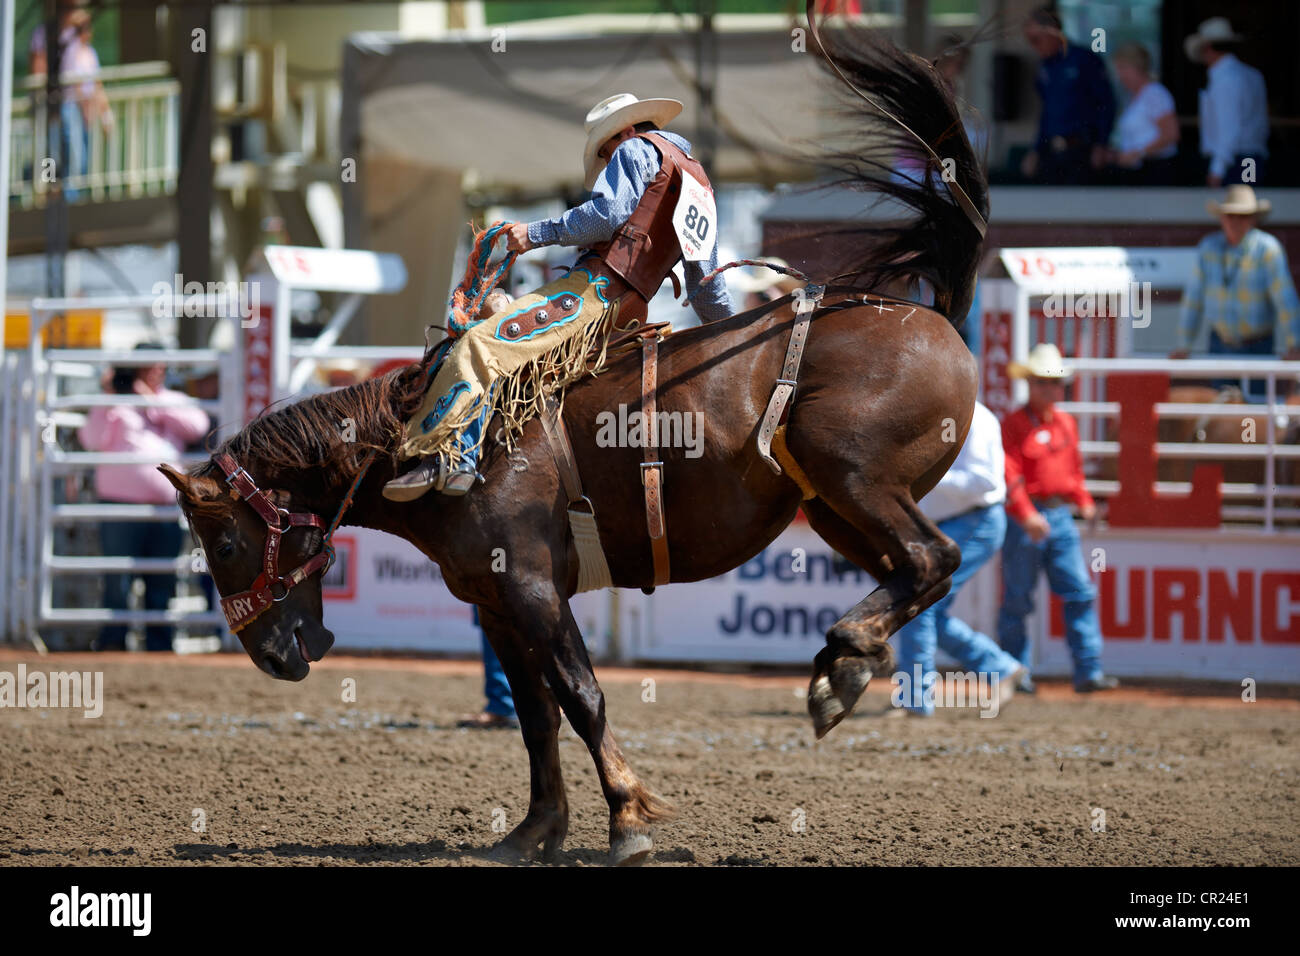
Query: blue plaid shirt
(1245, 291)
(618, 189)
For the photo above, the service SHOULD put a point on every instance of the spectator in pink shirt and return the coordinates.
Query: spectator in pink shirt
(159, 434)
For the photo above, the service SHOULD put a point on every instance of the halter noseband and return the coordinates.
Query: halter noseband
(243, 608)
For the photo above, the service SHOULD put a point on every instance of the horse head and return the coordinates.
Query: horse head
(263, 549)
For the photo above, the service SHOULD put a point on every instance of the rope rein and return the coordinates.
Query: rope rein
(480, 279)
(344, 506)
(735, 263)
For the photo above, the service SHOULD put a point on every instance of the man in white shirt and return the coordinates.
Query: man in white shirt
(1233, 106)
(967, 504)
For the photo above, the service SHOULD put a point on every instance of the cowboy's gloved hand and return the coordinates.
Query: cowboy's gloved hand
(517, 238)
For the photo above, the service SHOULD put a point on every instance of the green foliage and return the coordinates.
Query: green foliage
(29, 14)
(507, 11)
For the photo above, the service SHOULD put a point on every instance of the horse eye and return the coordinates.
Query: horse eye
(225, 550)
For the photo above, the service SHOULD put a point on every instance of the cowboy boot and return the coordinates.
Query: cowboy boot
(434, 473)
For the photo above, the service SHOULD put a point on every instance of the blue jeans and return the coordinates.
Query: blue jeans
(979, 534)
(495, 686)
(1256, 388)
(139, 539)
(76, 145)
(469, 440)
(1060, 555)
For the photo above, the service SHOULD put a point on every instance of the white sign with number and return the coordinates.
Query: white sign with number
(337, 270)
(1044, 271)
(696, 219)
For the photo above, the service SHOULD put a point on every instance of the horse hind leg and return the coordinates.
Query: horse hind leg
(912, 560)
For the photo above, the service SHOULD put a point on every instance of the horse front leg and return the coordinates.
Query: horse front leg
(632, 807)
(547, 820)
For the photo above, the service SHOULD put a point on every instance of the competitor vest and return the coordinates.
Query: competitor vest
(645, 248)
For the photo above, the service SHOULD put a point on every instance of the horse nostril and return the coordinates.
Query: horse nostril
(274, 664)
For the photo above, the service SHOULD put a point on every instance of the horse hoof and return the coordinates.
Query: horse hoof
(511, 854)
(551, 849)
(849, 678)
(832, 698)
(824, 707)
(630, 850)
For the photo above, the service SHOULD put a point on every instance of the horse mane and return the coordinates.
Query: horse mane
(309, 434)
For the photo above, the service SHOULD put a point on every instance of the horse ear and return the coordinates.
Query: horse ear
(194, 489)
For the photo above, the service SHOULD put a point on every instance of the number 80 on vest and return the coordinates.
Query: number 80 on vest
(695, 219)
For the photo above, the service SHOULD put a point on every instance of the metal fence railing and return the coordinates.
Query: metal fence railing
(46, 395)
(1268, 492)
(17, 437)
(138, 155)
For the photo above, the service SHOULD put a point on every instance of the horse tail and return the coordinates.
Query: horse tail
(907, 144)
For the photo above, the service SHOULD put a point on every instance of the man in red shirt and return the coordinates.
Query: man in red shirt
(1044, 484)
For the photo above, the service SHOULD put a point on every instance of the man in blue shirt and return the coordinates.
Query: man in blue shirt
(1078, 106)
(1233, 107)
(630, 236)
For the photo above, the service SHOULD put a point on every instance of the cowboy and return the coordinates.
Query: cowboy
(1233, 106)
(1242, 285)
(1044, 482)
(651, 207)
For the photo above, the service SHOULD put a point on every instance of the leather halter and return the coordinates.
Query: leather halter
(243, 608)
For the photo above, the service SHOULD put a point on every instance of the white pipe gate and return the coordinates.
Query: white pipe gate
(41, 400)
(39, 403)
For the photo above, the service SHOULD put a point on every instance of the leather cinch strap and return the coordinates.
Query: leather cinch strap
(652, 468)
(593, 568)
(562, 449)
(803, 310)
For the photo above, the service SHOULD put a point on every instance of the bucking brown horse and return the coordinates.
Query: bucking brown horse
(884, 398)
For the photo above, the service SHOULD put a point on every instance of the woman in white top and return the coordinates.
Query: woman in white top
(1146, 134)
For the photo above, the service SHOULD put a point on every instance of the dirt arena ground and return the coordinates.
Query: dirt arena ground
(289, 774)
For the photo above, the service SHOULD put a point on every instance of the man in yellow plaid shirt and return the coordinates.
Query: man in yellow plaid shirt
(1242, 285)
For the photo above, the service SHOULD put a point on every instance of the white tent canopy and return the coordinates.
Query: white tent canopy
(513, 119)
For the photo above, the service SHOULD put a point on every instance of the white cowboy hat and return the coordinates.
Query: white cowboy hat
(613, 114)
(1044, 362)
(1213, 30)
(760, 278)
(1239, 201)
